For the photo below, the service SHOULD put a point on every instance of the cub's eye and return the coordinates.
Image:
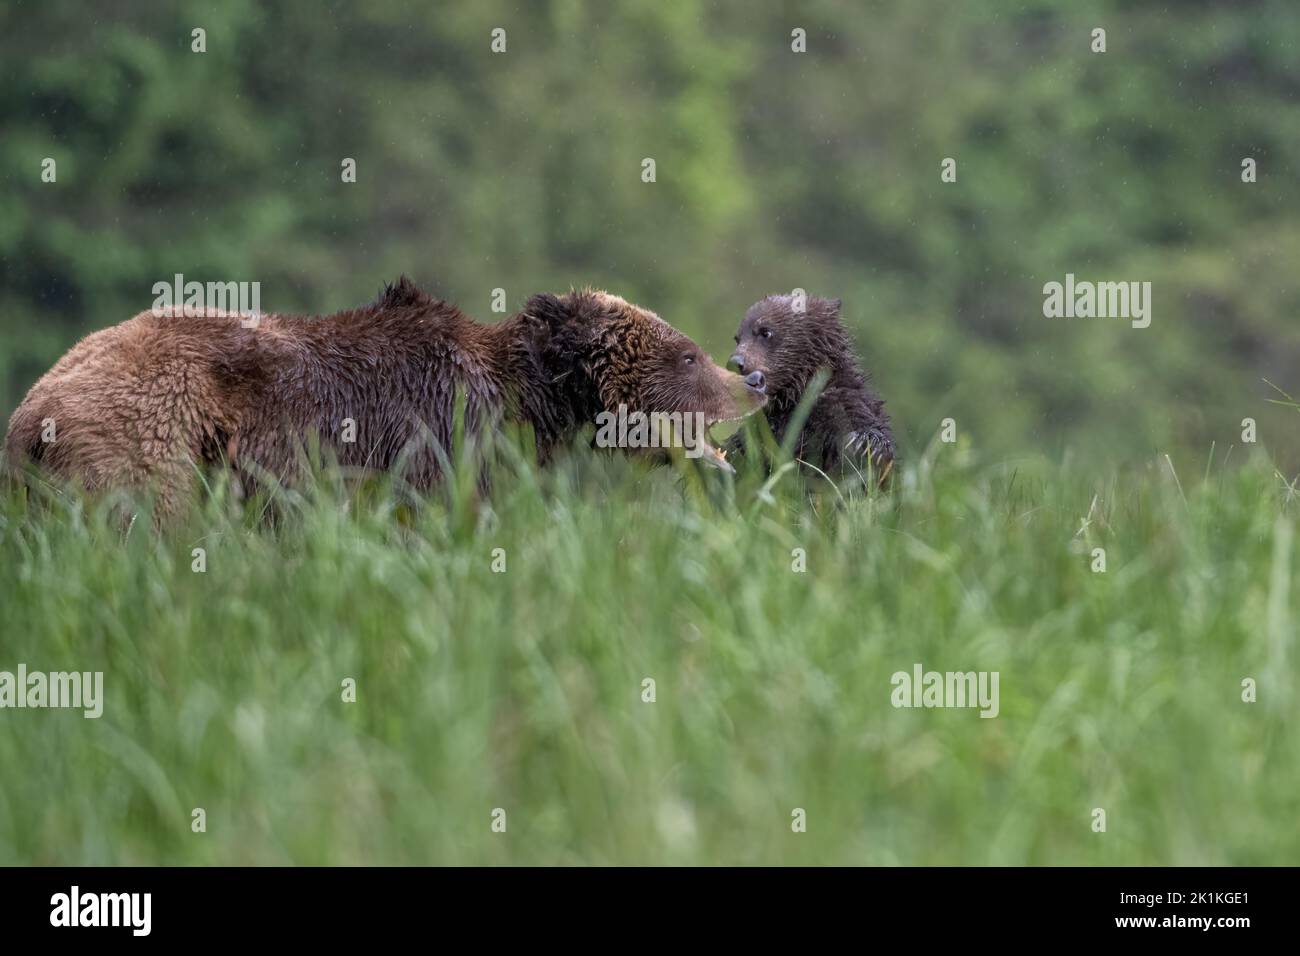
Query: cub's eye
(765, 333)
(688, 359)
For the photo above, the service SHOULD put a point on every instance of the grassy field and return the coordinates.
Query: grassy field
(523, 690)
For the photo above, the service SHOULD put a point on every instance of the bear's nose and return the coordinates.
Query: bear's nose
(737, 362)
(756, 381)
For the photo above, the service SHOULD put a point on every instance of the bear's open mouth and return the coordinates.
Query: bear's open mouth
(716, 434)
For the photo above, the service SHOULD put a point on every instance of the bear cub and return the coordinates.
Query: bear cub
(779, 350)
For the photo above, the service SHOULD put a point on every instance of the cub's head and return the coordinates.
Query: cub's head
(779, 348)
(608, 355)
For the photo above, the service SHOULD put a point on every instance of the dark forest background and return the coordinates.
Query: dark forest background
(775, 170)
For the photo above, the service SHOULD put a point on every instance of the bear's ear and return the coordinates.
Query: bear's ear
(833, 306)
(549, 309)
(563, 322)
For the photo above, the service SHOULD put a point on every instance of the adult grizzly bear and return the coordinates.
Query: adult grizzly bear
(142, 403)
(779, 350)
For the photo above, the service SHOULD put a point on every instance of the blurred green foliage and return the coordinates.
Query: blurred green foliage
(775, 170)
(524, 689)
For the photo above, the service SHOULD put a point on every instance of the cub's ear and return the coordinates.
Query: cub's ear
(833, 306)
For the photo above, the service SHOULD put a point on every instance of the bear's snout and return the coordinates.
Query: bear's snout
(754, 377)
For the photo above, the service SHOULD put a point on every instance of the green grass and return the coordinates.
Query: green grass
(522, 690)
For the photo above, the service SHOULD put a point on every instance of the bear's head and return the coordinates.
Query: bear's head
(779, 348)
(610, 356)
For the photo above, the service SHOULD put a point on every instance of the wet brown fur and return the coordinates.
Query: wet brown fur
(146, 403)
(847, 427)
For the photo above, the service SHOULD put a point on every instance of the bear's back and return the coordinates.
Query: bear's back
(368, 382)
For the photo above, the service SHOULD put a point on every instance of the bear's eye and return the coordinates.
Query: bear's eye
(765, 333)
(688, 359)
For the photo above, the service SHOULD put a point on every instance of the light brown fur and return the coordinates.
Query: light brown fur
(146, 403)
(148, 419)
